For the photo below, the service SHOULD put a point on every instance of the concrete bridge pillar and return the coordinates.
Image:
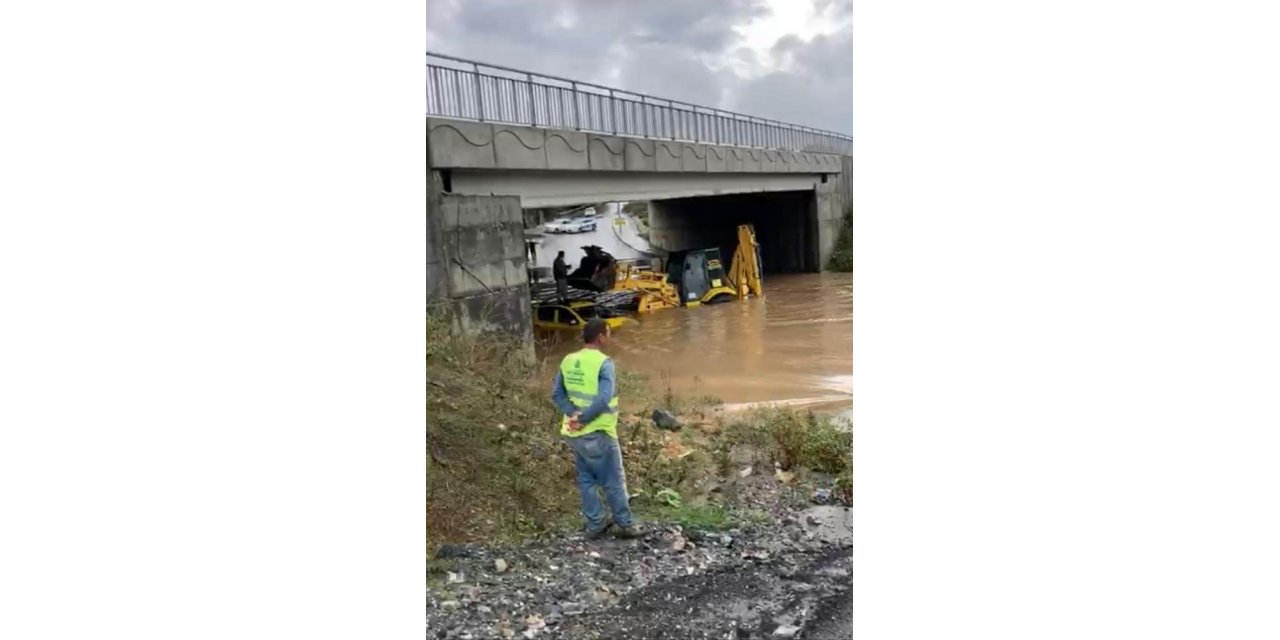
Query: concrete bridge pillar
(476, 261)
(827, 215)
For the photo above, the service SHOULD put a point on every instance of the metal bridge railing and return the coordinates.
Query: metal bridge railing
(458, 88)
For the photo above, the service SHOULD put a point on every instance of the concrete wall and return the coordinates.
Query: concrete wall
(485, 261)
(786, 226)
(437, 287)
(844, 182)
(476, 262)
(476, 259)
(827, 213)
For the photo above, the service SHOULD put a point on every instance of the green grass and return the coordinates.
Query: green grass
(795, 440)
(707, 516)
(485, 482)
(842, 257)
(639, 211)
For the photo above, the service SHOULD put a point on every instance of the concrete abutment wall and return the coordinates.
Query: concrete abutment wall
(476, 262)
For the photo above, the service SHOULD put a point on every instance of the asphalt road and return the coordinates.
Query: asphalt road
(572, 243)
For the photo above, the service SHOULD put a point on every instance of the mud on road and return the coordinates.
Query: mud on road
(786, 578)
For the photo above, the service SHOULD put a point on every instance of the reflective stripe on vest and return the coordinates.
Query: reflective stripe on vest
(580, 372)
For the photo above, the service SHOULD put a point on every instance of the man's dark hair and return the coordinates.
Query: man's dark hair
(560, 255)
(594, 329)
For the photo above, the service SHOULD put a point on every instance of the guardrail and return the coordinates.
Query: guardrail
(459, 88)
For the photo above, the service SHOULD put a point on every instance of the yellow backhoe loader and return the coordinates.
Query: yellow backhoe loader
(700, 277)
(696, 277)
(653, 292)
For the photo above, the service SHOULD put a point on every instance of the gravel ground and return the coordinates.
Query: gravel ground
(789, 577)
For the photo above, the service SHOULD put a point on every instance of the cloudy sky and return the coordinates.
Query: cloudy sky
(790, 60)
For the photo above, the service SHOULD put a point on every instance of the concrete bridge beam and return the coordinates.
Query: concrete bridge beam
(462, 144)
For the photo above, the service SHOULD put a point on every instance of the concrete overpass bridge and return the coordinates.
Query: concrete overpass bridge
(501, 139)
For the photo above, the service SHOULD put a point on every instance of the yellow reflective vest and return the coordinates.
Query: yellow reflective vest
(580, 373)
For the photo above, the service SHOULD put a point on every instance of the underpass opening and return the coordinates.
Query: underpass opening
(785, 223)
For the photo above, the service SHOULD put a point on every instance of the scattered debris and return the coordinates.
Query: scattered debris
(746, 471)
(674, 450)
(447, 551)
(665, 420)
(678, 543)
(822, 496)
(604, 595)
(786, 631)
(500, 565)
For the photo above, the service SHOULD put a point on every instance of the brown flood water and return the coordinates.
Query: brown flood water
(795, 346)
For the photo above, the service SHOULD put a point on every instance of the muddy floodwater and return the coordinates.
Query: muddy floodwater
(795, 346)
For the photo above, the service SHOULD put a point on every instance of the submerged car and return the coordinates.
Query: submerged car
(573, 315)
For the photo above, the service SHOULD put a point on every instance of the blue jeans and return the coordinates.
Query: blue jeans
(598, 462)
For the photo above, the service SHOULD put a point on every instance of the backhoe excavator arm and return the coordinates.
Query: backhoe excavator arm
(744, 270)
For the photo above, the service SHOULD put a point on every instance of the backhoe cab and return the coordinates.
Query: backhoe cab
(700, 278)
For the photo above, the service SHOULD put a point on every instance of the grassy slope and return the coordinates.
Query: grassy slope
(491, 483)
(640, 211)
(484, 480)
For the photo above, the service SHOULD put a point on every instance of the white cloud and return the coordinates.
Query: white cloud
(774, 58)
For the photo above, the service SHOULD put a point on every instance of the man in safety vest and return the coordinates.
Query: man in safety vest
(585, 394)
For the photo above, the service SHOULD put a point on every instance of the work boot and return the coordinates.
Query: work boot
(628, 532)
(596, 534)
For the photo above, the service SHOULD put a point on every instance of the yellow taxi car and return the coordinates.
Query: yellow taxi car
(573, 315)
